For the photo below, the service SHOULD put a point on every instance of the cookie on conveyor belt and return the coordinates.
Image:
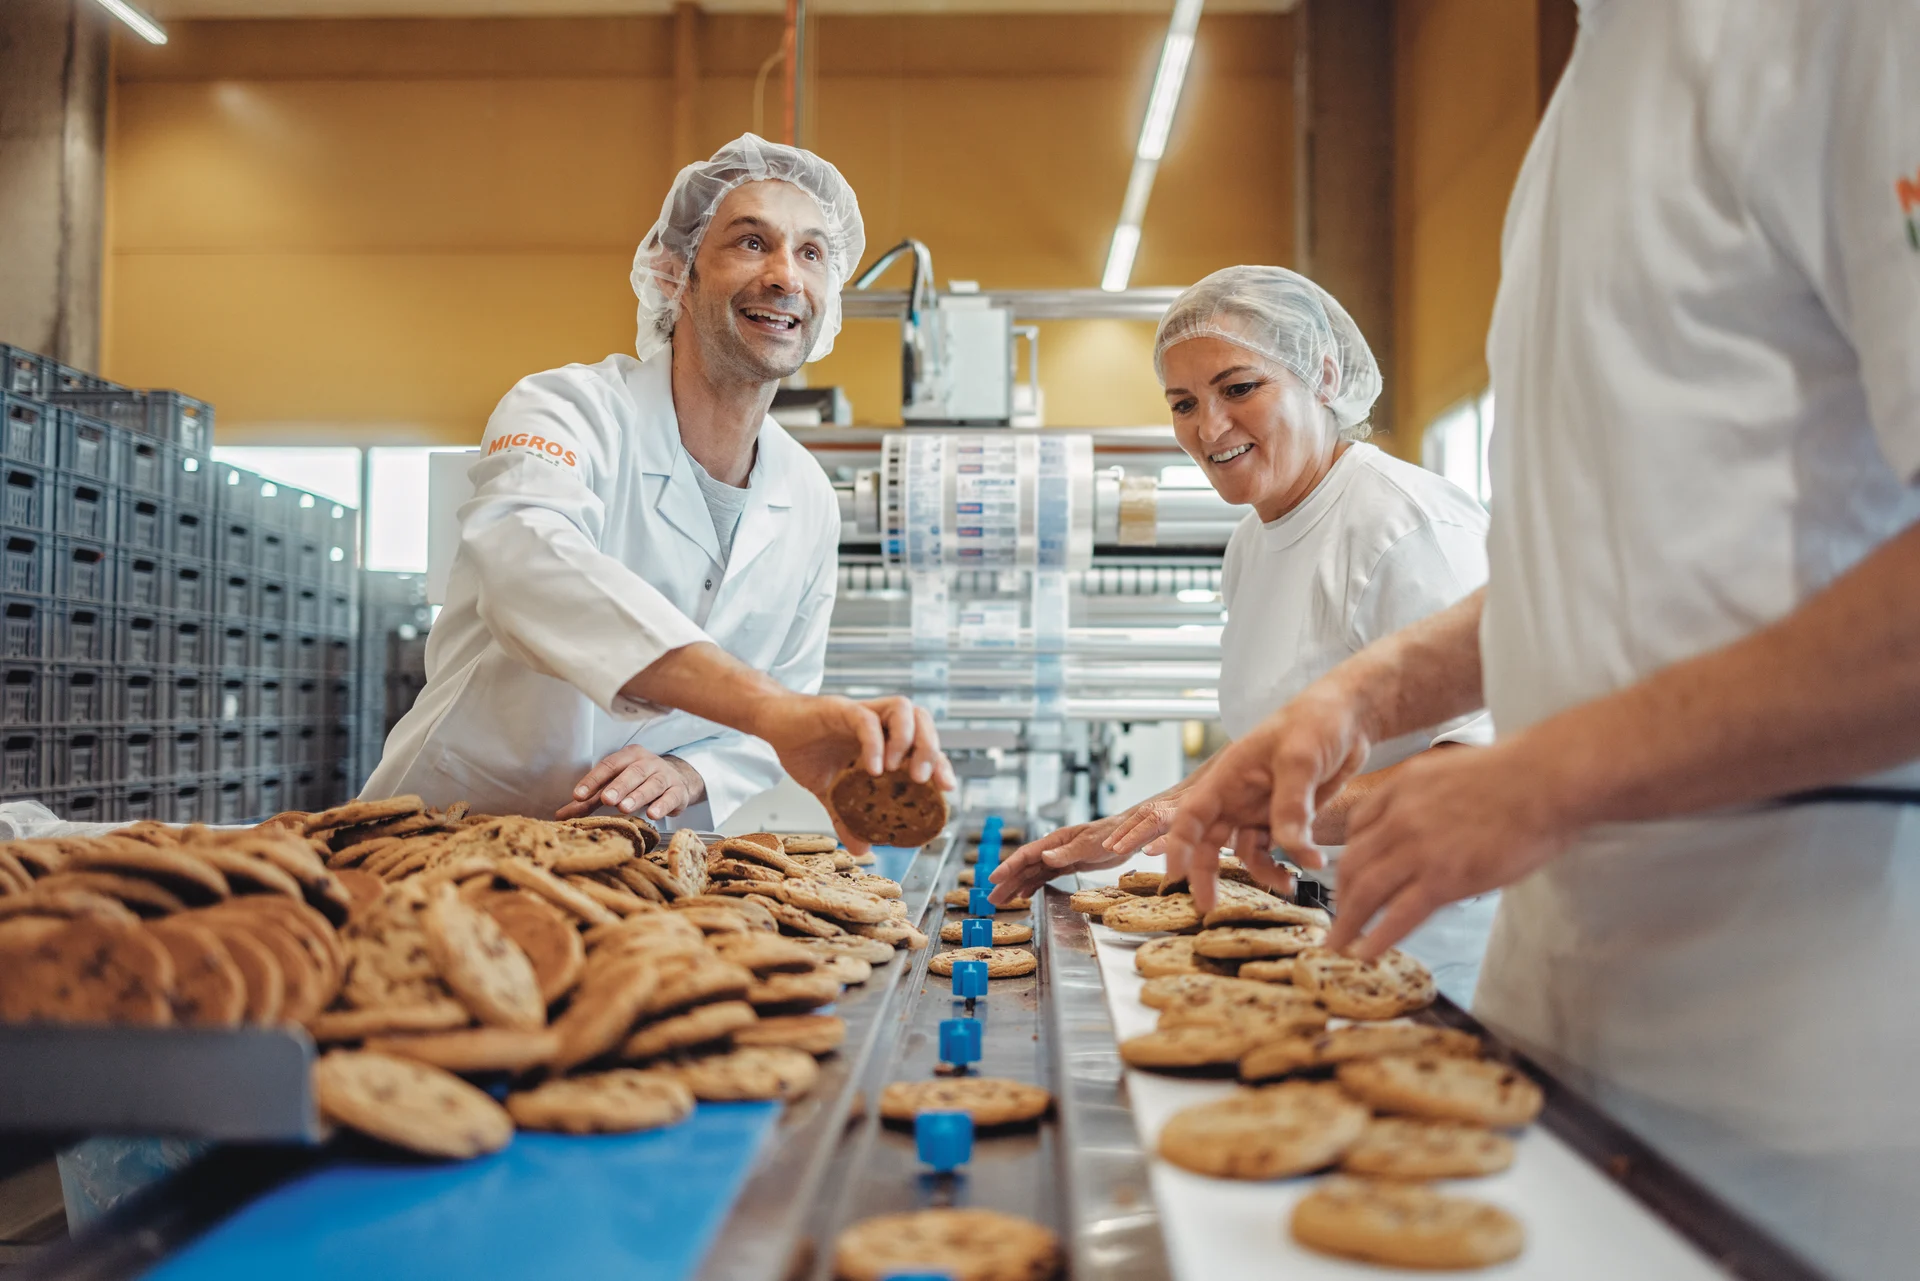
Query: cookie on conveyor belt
(749, 1075)
(817, 1034)
(208, 990)
(1405, 1226)
(809, 843)
(793, 993)
(1198, 1045)
(1279, 970)
(963, 899)
(1444, 1088)
(335, 1026)
(702, 1025)
(1221, 998)
(840, 902)
(1004, 932)
(91, 969)
(1238, 904)
(1139, 883)
(1157, 958)
(620, 1101)
(887, 809)
(1256, 942)
(1269, 1133)
(473, 1049)
(1385, 988)
(410, 1105)
(1260, 1023)
(1096, 901)
(1353, 1042)
(1165, 913)
(989, 1100)
(485, 968)
(1002, 962)
(962, 1245)
(1398, 1147)
(545, 934)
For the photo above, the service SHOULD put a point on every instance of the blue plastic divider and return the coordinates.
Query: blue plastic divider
(641, 1207)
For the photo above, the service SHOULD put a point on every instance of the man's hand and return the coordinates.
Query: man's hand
(1067, 849)
(632, 777)
(1260, 794)
(1445, 826)
(817, 736)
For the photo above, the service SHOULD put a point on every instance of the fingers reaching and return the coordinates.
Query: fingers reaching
(871, 738)
(900, 724)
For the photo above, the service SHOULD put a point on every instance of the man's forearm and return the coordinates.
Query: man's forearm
(708, 682)
(1828, 693)
(1421, 675)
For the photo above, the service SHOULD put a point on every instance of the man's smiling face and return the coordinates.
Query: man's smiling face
(757, 291)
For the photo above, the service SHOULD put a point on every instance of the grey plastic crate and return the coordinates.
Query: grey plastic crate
(79, 758)
(189, 749)
(26, 495)
(23, 695)
(138, 695)
(189, 641)
(309, 653)
(269, 697)
(190, 532)
(230, 750)
(82, 633)
(189, 697)
(146, 466)
(232, 798)
(23, 769)
(234, 696)
(303, 699)
(143, 522)
(304, 791)
(141, 579)
(305, 744)
(26, 562)
(234, 595)
(306, 607)
(306, 559)
(269, 747)
(193, 479)
(134, 804)
(339, 616)
(83, 507)
(270, 551)
(184, 801)
(268, 793)
(190, 588)
(168, 415)
(138, 754)
(269, 649)
(270, 601)
(76, 695)
(233, 645)
(236, 491)
(139, 638)
(80, 805)
(336, 657)
(26, 624)
(82, 570)
(22, 372)
(234, 542)
(88, 447)
(27, 430)
(277, 507)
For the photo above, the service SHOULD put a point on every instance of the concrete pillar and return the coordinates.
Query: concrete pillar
(1343, 153)
(54, 76)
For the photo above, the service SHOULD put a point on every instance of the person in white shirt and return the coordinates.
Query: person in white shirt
(1269, 383)
(637, 613)
(1701, 634)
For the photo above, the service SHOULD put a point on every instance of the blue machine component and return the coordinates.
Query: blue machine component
(970, 979)
(977, 904)
(960, 1042)
(918, 1276)
(944, 1139)
(976, 933)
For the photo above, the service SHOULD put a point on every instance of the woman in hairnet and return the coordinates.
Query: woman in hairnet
(1269, 382)
(637, 612)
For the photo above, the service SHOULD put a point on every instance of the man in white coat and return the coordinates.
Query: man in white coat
(637, 613)
(1700, 637)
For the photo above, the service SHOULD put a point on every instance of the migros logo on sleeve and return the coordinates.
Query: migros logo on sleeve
(1907, 191)
(552, 450)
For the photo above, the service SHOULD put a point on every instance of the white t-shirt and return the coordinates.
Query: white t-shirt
(1706, 349)
(1378, 544)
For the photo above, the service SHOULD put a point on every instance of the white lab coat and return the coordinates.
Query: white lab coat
(587, 552)
(1706, 354)
(1377, 546)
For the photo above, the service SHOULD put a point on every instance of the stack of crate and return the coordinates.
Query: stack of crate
(178, 634)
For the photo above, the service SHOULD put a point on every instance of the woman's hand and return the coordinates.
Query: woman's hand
(1067, 849)
(633, 777)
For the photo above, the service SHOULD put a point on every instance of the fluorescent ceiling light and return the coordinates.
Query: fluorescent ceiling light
(1175, 54)
(148, 30)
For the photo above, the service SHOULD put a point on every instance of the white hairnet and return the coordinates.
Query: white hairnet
(660, 265)
(1285, 317)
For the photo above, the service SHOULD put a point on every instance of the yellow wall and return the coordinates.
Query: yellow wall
(1466, 103)
(366, 230)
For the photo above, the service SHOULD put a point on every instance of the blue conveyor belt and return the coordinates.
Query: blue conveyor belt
(638, 1207)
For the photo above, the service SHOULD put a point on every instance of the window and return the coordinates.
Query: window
(1456, 443)
(392, 480)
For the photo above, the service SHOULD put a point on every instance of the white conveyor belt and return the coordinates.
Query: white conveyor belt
(1580, 1226)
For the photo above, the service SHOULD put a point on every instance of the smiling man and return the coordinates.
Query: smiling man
(637, 613)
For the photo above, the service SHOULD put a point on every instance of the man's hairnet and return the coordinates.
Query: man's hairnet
(661, 263)
(1285, 317)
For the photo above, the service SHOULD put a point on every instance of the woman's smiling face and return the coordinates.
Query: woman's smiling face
(1260, 436)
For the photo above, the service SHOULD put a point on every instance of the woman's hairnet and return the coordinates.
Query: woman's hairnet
(660, 265)
(1285, 317)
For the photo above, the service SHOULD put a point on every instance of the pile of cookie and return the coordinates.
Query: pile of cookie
(1250, 988)
(605, 977)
